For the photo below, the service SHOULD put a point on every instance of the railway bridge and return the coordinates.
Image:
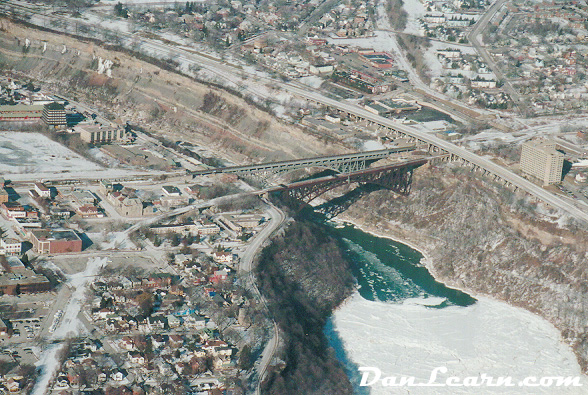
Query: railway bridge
(396, 177)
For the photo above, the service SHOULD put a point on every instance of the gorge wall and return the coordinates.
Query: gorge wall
(481, 237)
(160, 101)
(304, 275)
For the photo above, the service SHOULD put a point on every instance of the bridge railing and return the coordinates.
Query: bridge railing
(307, 162)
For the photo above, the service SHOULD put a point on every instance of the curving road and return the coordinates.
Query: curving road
(277, 219)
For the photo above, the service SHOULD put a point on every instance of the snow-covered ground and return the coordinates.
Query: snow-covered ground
(119, 24)
(313, 81)
(34, 153)
(435, 65)
(69, 325)
(372, 145)
(415, 10)
(489, 337)
(49, 364)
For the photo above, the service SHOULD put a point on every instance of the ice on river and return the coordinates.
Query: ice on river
(413, 338)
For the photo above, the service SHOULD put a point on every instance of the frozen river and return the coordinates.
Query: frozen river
(404, 323)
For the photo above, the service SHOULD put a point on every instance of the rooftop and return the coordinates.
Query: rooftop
(23, 277)
(50, 234)
(55, 106)
(20, 108)
(92, 128)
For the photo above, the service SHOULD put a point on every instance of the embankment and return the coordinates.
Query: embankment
(305, 276)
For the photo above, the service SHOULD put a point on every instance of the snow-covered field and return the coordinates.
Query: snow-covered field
(488, 337)
(34, 153)
(48, 364)
(415, 10)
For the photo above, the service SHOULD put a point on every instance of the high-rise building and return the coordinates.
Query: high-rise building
(54, 114)
(541, 160)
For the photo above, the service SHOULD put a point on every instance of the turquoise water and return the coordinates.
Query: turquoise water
(386, 271)
(389, 271)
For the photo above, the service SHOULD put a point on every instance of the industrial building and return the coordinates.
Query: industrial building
(95, 134)
(21, 113)
(16, 279)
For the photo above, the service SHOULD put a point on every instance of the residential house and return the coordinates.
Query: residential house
(222, 256)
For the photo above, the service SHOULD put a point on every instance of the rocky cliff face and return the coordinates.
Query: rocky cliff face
(304, 276)
(479, 236)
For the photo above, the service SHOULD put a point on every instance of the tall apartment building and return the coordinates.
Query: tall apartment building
(541, 160)
(54, 114)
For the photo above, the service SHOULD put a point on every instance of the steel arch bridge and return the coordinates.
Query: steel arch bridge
(396, 177)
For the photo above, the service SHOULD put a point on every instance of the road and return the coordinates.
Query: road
(479, 27)
(315, 16)
(486, 164)
(277, 219)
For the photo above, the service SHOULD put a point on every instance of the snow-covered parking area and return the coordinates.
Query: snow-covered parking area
(22, 152)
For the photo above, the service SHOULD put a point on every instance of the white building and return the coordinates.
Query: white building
(94, 134)
(322, 69)
(222, 257)
(207, 228)
(42, 190)
(10, 246)
(541, 160)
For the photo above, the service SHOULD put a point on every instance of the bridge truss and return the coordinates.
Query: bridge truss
(395, 177)
(347, 163)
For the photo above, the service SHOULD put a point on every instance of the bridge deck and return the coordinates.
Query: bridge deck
(368, 155)
(314, 181)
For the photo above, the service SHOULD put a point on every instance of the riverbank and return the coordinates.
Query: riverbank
(480, 237)
(304, 276)
(416, 328)
(426, 261)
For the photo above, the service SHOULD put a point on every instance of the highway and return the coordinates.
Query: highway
(253, 84)
(485, 164)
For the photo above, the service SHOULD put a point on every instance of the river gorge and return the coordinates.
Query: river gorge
(405, 323)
